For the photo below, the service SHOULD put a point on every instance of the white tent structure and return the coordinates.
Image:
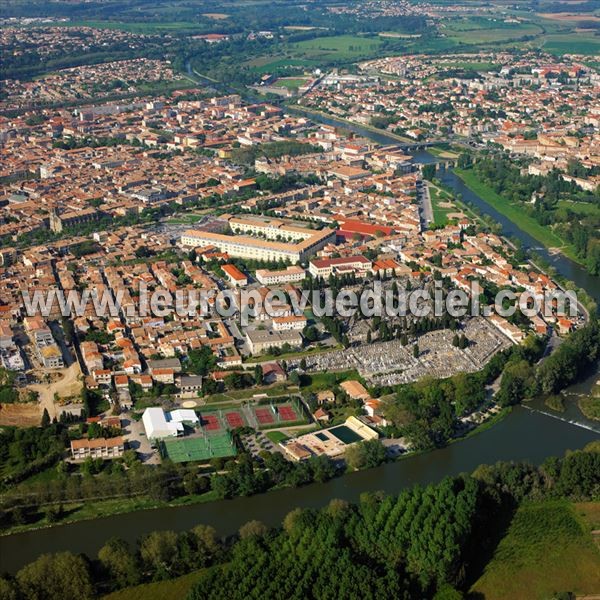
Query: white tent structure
(183, 415)
(158, 425)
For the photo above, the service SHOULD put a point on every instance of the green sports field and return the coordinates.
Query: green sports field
(192, 449)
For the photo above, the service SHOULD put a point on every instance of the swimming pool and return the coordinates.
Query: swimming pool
(345, 434)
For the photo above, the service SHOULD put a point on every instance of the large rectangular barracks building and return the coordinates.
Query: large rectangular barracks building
(262, 239)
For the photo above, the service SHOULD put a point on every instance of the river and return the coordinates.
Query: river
(525, 434)
(563, 265)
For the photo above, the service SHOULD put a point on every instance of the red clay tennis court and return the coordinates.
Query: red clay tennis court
(210, 422)
(234, 419)
(287, 413)
(264, 416)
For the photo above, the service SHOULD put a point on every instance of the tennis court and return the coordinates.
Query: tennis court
(210, 422)
(264, 416)
(198, 448)
(234, 419)
(274, 414)
(287, 413)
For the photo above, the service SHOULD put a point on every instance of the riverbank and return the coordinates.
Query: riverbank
(590, 407)
(76, 512)
(585, 301)
(510, 439)
(517, 215)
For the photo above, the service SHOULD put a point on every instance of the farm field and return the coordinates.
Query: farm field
(572, 43)
(548, 548)
(486, 36)
(483, 30)
(340, 47)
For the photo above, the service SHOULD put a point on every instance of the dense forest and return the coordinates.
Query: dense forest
(578, 230)
(424, 543)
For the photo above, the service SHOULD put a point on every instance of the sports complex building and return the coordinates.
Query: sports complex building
(262, 239)
(206, 434)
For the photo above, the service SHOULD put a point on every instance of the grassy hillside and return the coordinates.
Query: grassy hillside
(171, 589)
(548, 548)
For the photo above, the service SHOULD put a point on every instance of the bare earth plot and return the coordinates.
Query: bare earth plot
(20, 415)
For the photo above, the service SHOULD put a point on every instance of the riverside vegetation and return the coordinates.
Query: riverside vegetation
(431, 542)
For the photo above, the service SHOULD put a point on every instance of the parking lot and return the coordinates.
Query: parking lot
(258, 442)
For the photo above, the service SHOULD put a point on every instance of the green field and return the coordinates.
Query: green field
(572, 43)
(186, 219)
(443, 152)
(326, 380)
(217, 445)
(291, 83)
(276, 436)
(171, 589)
(483, 30)
(548, 548)
(440, 214)
(514, 212)
(339, 47)
(581, 208)
(486, 36)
